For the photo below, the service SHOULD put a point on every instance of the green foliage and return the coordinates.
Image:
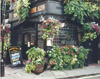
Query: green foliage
(50, 27)
(67, 57)
(91, 31)
(36, 57)
(22, 8)
(30, 67)
(7, 9)
(7, 36)
(55, 58)
(80, 10)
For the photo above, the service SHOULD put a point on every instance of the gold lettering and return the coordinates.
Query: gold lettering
(16, 59)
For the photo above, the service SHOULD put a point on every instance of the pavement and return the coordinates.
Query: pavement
(19, 73)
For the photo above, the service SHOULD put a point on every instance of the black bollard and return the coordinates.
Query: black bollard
(2, 70)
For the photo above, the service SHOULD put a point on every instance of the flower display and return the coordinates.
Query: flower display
(22, 8)
(91, 31)
(36, 56)
(6, 39)
(50, 27)
(66, 57)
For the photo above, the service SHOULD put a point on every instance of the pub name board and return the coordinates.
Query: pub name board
(46, 7)
(37, 8)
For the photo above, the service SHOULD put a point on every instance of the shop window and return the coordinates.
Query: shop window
(67, 35)
(32, 38)
(26, 38)
(29, 38)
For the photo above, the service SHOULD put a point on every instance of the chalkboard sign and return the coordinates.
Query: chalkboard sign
(15, 56)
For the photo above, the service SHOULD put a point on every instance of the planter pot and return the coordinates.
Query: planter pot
(39, 68)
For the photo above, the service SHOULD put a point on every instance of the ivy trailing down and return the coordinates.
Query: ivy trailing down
(22, 8)
(81, 11)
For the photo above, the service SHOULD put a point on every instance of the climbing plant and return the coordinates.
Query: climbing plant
(81, 11)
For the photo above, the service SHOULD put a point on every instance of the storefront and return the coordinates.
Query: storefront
(27, 33)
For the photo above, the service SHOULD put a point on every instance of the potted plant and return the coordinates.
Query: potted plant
(91, 31)
(36, 60)
(50, 27)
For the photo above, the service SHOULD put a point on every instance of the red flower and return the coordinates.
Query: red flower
(76, 46)
(68, 52)
(77, 53)
(71, 46)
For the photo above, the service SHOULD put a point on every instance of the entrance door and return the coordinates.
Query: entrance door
(94, 51)
(28, 42)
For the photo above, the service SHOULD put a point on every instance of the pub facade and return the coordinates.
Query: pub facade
(27, 33)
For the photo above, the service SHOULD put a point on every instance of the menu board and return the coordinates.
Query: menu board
(15, 56)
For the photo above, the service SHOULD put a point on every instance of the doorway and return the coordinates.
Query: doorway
(93, 55)
(28, 42)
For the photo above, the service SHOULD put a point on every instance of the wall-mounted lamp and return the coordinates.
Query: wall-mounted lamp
(28, 44)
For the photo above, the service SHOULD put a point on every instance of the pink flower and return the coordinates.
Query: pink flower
(45, 26)
(42, 26)
(96, 27)
(47, 62)
(76, 46)
(77, 53)
(19, 8)
(28, 61)
(91, 24)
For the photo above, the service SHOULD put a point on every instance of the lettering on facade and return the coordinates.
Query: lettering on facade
(37, 8)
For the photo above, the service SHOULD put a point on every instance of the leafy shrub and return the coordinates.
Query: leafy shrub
(35, 57)
(22, 8)
(91, 31)
(81, 10)
(66, 57)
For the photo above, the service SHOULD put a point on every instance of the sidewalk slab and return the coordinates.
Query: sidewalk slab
(19, 73)
(83, 71)
(47, 74)
(59, 74)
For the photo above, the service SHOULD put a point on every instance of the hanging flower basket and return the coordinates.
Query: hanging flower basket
(50, 27)
(91, 31)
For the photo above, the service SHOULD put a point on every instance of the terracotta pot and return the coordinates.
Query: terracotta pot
(39, 68)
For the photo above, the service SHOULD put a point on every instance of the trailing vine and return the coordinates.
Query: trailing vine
(22, 8)
(81, 11)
